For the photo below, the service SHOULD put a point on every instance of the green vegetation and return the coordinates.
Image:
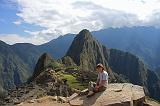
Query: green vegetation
(151, 99)
(72, 67)
(2, 92)
(54, 65)
(73, 82)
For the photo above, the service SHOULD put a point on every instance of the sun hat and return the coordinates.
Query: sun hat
(100, 65)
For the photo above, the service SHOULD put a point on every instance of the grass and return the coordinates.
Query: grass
(73, 83)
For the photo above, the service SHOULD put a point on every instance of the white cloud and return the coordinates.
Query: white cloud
(18, 22)
(46, 34)
(59, 17)
(141, 8)
(154, 19)
(12, 38)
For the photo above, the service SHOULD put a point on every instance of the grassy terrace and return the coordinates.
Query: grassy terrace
(73, 82)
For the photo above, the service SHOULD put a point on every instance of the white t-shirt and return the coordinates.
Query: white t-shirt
(103, 76)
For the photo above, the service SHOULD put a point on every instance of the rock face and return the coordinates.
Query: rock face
(117, 94)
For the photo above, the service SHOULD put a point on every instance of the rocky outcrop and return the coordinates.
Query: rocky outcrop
(117, 94)
(46, 101)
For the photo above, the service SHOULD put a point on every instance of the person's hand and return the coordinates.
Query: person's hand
(97, 87)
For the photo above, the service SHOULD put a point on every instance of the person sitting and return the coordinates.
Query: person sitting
(101, 83)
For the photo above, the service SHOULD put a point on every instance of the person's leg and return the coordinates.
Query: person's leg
(101, 89)
(91, 88)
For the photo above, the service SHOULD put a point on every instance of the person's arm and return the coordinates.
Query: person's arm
(97, 82)
(102, 83)
(98, 79)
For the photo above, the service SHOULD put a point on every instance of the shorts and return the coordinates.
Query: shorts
(91, 87)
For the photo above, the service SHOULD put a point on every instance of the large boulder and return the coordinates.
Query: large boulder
(117, 94)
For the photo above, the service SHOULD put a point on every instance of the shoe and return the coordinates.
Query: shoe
(91, 93)
(84, 92)
(76, 90)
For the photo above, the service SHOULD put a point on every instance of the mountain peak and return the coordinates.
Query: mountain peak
(45, 55)
(84, 34)
(84, 31)
(41, 65)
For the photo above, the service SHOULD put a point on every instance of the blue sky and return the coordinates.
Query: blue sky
(8, 25)
(7, 17)
(39, 21)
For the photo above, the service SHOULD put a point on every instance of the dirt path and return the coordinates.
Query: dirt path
(44, 104)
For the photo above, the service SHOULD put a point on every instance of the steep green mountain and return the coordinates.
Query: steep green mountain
(86, 52)
(13, 71)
